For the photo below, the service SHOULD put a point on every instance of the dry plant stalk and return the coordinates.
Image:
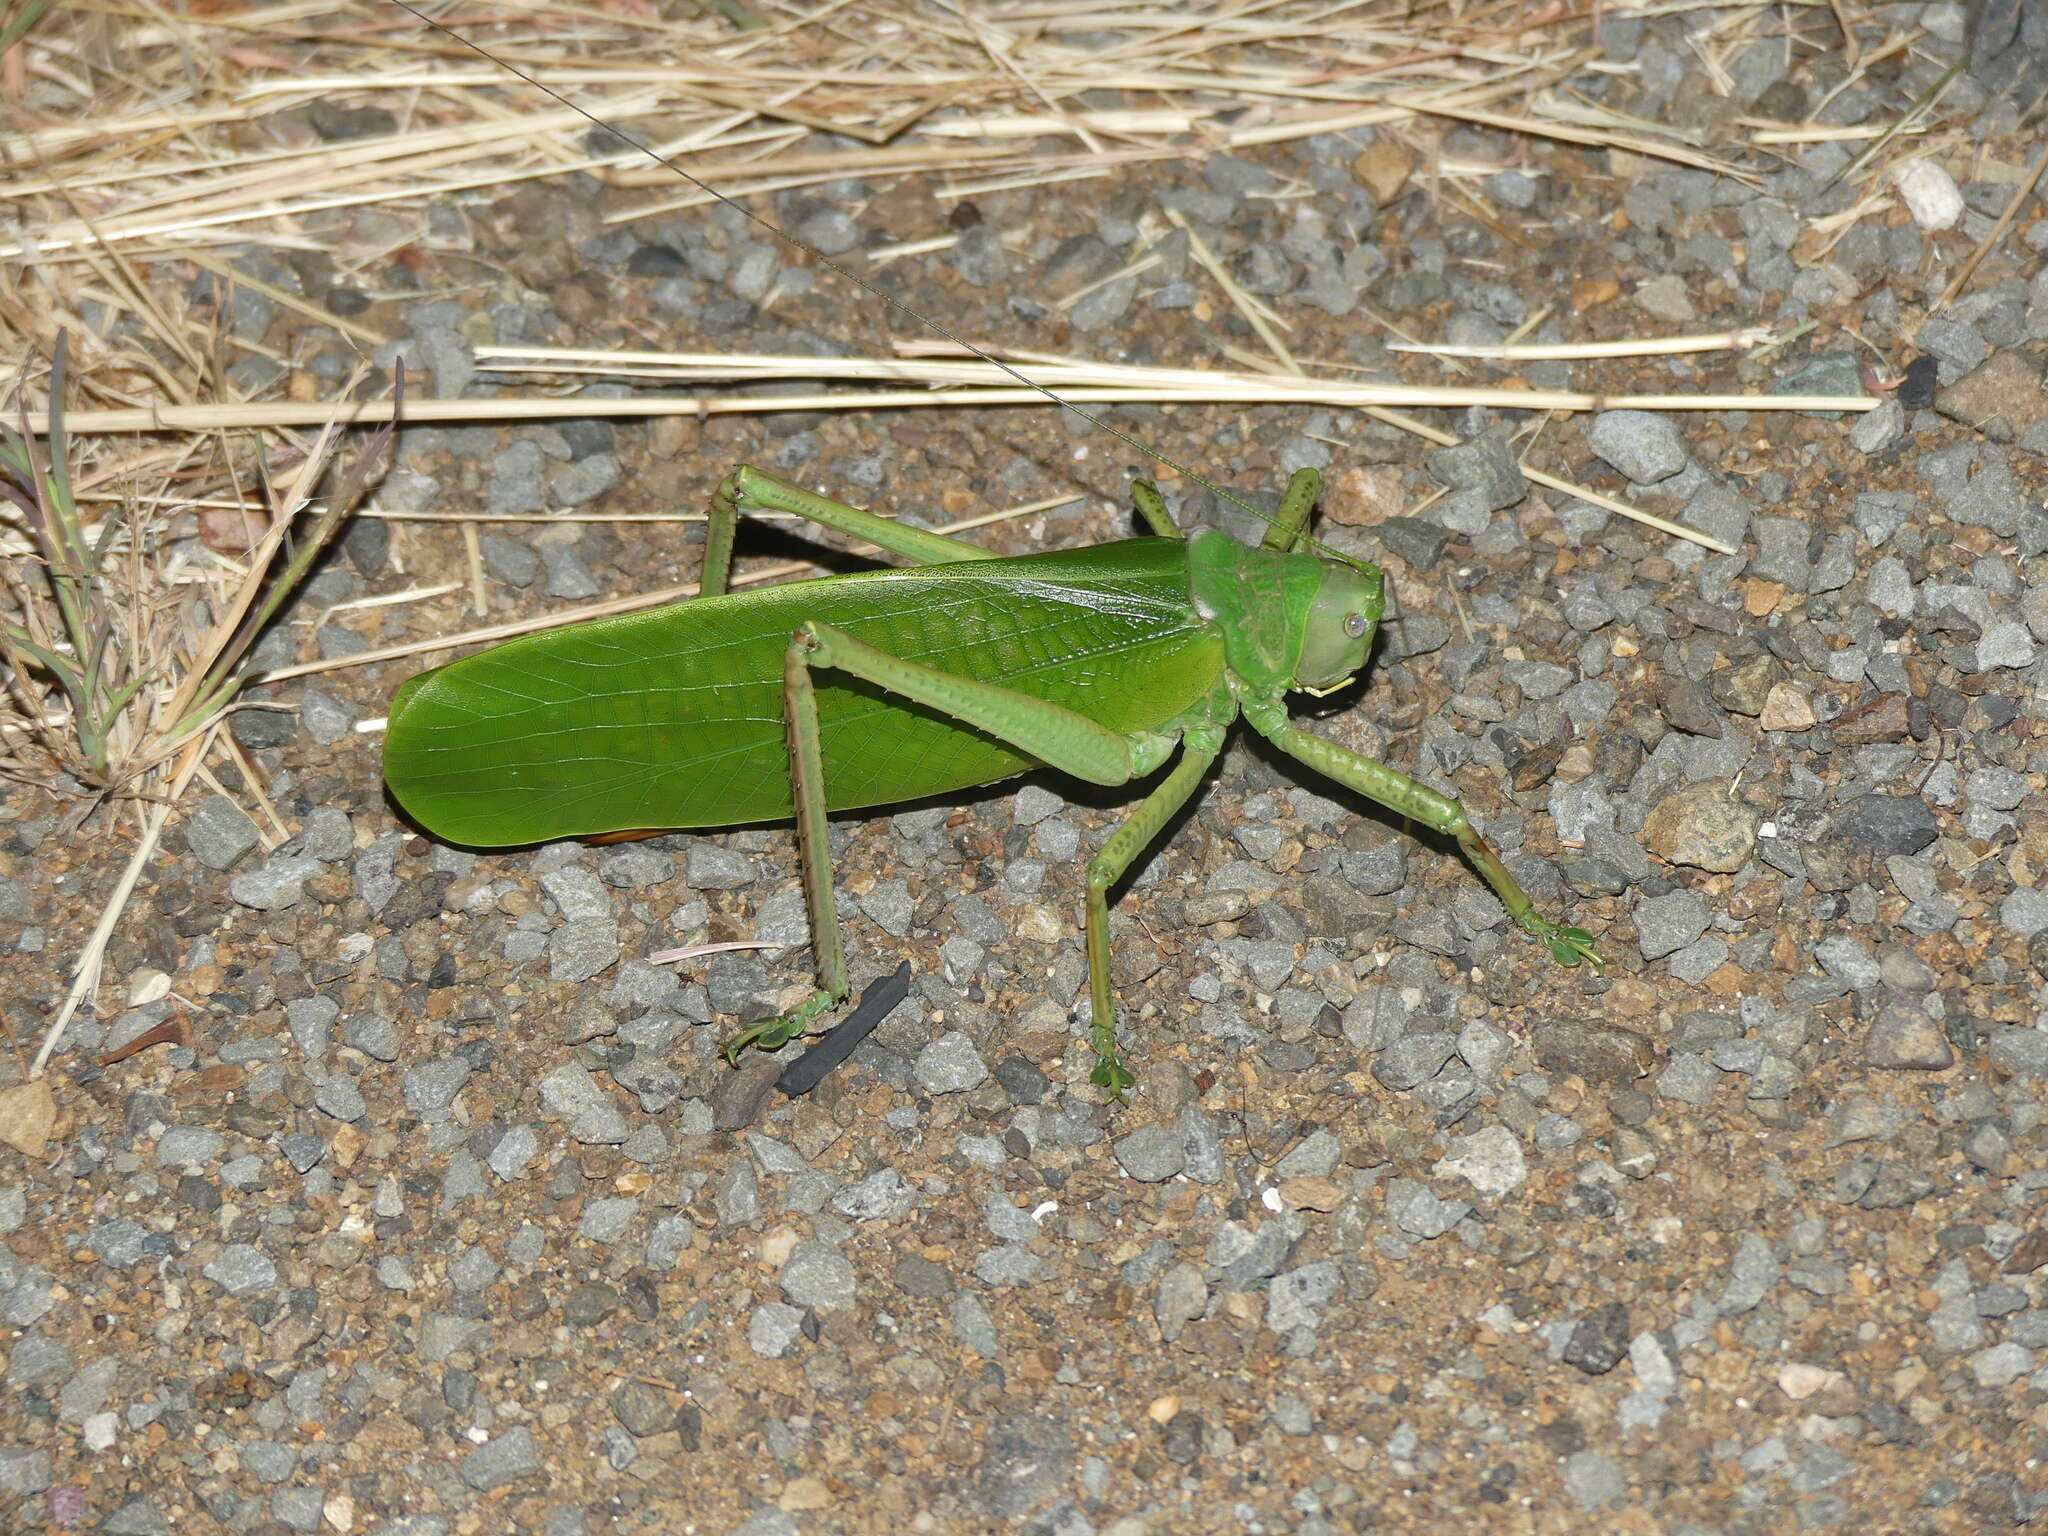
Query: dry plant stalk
(115, 681)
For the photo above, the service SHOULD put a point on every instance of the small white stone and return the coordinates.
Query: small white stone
(1931, 196)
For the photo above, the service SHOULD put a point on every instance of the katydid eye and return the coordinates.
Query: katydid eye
(1354, 625)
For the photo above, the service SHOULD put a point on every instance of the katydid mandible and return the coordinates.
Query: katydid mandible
(958, 670)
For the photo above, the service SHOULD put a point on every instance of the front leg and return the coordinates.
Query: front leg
(1417, 801)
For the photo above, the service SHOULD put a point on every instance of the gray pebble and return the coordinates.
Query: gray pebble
(1296, 1299)
(119, 1242)
(1416, 1209)
(268, 1461)
(817, 1275)
(2024, 913)
(644, 1409)
(137, 1517)
(950, 1064)
(881, 1196)
(979, 258)
(567, 576)
(2001, 1365)
(279, 882)
(1643, 445)
(474, 1272)
(1875, 431)
(973, 1327)
(303, 1150)
(2022, 1052)
(510, 561)
(1849, 960)
(1594, 1480)
(1688, 1079)
(24, 1471)
(86, 1392)
(711, 867)
(736, 1197)
(39, 1365)
(1665, 924)
(1201, 1146)
(372, 1034)
(1490, 1160)
(1181, 1296)
(326, 719)
(2005, 644)
(432, 1086)
(311, 1021)
(514, 1151)
(585, 480)
(242, 1269)
(187, 1146)
(1152, 1153)
(1413, 1060)
(219, 833)
(1026, 1459)
(584, 948)
(606, 1220)
(503, 1461)
(669, 1241)
(1011, 1264)
(463, 1179)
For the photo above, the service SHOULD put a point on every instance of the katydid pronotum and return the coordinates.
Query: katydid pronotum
(957, 670)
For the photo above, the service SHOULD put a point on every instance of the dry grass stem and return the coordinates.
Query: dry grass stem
(1646, 346)
(1137, 385)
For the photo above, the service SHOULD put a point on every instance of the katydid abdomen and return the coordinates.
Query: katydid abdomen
(674, 718)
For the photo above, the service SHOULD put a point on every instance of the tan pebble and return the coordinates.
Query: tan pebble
(1039, 924)
(1312, 1194)
(1665, 298)
(1799, 1381)
(1930, 195)
(147, 984)
(1162, 1409)
(1760, 598)
(1577, 762)
(1592, 292)
(801, 1493)
(345, 1147)
(1786, 708)
(1383, 168)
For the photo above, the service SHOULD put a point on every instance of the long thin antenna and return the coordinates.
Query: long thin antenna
(812, 251)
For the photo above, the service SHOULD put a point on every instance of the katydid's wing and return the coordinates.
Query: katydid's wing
(673, 718)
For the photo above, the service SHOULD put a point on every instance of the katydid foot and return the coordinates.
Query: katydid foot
(1110, 1071)
(773, 1034)
(1567, 946)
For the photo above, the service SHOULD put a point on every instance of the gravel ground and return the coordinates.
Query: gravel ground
(452, 1219)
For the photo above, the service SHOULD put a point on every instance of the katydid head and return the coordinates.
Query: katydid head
(1341, 623)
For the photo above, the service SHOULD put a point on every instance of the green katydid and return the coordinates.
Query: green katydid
(862, 690)
(959, 670)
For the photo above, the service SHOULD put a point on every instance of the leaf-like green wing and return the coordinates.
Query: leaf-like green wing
(673, 718)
